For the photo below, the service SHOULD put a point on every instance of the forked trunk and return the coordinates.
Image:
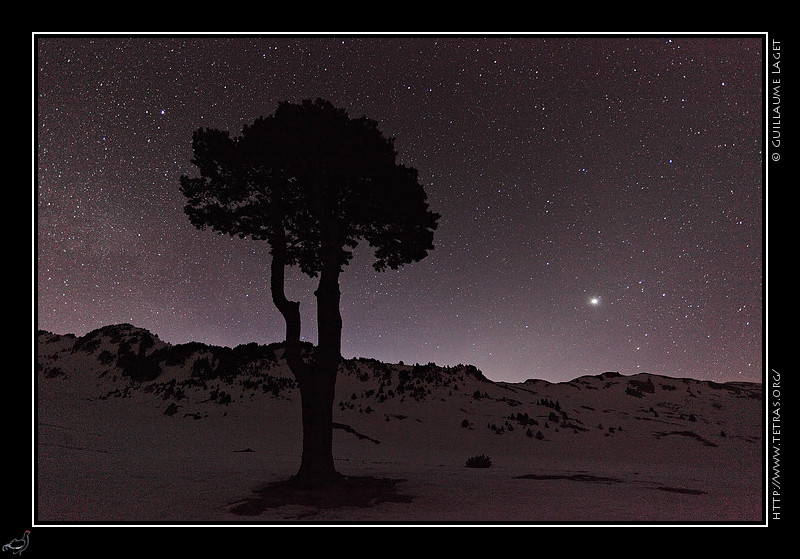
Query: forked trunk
(317, 383)
(318, 386)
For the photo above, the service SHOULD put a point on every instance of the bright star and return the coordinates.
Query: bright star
(594, 300)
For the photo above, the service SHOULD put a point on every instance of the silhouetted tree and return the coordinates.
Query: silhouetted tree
(312, 182)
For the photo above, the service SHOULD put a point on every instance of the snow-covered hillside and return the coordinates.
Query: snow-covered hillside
(131, 429)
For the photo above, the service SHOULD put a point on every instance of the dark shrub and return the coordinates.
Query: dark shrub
(53, 372)
(138, 367)
(172, 409)
(202, 368)
(481, 461)
(105, 357)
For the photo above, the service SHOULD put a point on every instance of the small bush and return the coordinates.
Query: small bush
(171, 410)
(53, 372)
(139, 368)
(105, 357)
(481, 461)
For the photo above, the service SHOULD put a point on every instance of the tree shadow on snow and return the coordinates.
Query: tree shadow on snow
(348, 492)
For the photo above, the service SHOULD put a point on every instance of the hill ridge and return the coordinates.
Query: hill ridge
(127, 335)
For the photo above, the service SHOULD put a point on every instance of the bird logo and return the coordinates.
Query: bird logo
(17, 546)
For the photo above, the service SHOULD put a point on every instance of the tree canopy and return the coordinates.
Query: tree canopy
(311, 179)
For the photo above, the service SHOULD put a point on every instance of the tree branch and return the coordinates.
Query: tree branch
(289, 309)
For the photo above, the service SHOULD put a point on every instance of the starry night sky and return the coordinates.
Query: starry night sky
(601, 196)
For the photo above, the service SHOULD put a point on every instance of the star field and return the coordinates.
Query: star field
(601, 196)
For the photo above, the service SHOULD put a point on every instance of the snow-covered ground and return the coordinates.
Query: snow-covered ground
(173, 449)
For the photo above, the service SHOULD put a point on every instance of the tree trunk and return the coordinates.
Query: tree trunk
(317, 380)
(318, 387)
(317, 395)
